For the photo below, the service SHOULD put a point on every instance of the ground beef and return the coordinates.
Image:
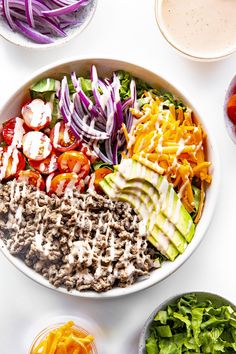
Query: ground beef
(80, 241)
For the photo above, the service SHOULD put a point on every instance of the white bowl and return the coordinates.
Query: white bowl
(105, 67)
(230, 126)
(217, 300)
(178, 47)
(85, 16)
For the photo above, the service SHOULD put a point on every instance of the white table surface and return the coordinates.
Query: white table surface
(126, 29)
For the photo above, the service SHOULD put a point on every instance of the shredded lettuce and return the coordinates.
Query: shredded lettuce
(125, 79)
(193, 326)
(44, 89)
(100, 164)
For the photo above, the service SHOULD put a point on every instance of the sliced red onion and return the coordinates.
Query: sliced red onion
(117, 101)
(115, 153)
(101, 155)
(33, 34)
(29, 13)
(7, 14)
(127, 103)
(98, 122)
(66, 9)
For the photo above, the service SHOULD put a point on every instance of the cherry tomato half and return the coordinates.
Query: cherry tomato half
(62, 138)
(13, 131)
(74, 161)
(36, 146)
(37, 114)
(47, 165)
(231, 108)
(86, 150)
(12, 161)
(66, 181)
(98, 176)
(31, 177)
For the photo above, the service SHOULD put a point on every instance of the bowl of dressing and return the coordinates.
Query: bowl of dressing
(202, 30)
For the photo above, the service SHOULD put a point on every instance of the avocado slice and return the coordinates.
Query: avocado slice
(171, 205)
(149, 197)
(156, 237)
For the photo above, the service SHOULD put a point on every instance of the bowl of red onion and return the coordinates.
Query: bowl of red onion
(230, 109)
(43, 24)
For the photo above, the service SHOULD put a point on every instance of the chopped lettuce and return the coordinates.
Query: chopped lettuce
(193, 326)
(100, 164)
(44, 89)
(197, 197)
(170, 99)
(125, 79)
(86, 86)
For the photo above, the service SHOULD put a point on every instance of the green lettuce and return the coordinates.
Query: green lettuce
(193, 326)
(44, 89)
(125, 79)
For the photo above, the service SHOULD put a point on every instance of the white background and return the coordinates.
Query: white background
(126, 29)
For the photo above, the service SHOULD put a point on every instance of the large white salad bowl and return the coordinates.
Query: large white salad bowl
(105, 67)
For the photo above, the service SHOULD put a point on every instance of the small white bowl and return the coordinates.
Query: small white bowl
(106, 67)
(230, 127)
(85, 15)
(177, 46)
(202, 296)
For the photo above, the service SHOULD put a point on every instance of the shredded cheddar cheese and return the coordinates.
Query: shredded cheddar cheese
(168, 141)
(66, 339)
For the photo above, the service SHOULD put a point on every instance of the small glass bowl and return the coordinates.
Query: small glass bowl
(44, 333)
(179, 49)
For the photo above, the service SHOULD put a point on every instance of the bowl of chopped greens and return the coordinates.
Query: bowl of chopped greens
(108, 178)
(44, 24)
(198, 322)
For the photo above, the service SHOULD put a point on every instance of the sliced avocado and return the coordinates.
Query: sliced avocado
(171, 205)
(156, 236)
(149, 197)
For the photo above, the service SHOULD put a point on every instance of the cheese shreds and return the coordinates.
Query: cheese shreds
(66, 339)
(169, 141)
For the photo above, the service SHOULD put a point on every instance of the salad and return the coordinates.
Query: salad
(191, 325)
(112, 171)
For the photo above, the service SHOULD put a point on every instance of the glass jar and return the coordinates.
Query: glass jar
(45, 332)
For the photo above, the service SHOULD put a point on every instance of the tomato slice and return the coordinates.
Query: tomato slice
(37, 114)
(74, 161)
(36, 146)
(31, 177)
(62, 138)
(66, 181)
(47, 165)
(13, 131)
(98, 176)
(12, 161)
(86, 150)
(231, 108)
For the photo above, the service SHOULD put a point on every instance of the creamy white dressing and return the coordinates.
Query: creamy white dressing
(37, 113)
(190, 223)
(170, 203)
(5, 159)
(66, 136)
(15, 161)
(19, 131)
(177, 211)
(56, 133)
(49, 181)
(36, 145)
(202, 28)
